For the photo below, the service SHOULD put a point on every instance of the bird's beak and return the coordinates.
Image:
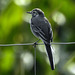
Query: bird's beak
(29, 12)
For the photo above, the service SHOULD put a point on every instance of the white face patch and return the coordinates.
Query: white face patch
(35, 14)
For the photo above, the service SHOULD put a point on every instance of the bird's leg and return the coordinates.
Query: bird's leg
(35, 43)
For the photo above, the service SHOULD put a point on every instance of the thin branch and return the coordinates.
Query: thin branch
(35, 59)
(16, 44)
(53, 43)
(63, 43)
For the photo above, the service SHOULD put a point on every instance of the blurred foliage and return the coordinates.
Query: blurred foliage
(15, 28)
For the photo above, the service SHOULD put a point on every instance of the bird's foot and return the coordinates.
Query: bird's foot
(35, 43)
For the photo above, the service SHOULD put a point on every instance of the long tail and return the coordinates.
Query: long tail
(49, 52)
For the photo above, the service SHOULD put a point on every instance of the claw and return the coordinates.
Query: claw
(35, 43)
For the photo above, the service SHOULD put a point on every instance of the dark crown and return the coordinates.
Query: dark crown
(39, 11)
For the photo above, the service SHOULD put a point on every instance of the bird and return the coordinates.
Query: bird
(42, 29)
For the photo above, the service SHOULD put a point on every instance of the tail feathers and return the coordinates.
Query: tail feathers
(49, 52)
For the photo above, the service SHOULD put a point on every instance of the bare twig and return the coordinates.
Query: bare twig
(53, 43)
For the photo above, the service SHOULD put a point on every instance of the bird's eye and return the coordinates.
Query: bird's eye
(34, 12)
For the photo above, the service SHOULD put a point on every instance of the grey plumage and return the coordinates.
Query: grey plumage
(41, 28)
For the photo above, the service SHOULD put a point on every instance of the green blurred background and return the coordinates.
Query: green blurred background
(15, 28)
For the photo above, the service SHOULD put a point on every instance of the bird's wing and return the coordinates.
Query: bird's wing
(50, 29)
(43, 28)
(38, 32)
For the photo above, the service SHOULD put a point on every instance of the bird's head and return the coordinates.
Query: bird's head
(36, 12)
